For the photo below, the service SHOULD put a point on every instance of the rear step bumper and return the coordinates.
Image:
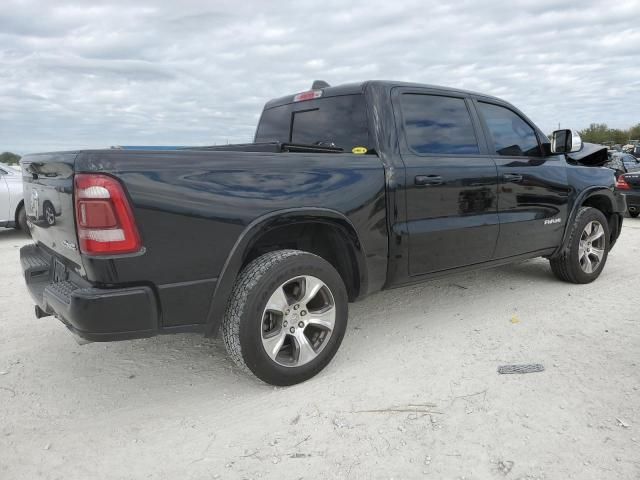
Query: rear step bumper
(94, 314)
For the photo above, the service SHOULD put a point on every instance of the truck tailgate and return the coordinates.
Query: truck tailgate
(48, 199)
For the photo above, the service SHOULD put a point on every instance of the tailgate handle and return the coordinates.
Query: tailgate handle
(512, 177)
(426, 180)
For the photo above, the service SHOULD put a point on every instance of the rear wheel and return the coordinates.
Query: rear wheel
(286, 317)
(586, 253)
(634, 214)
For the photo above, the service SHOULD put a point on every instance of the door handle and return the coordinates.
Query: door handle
(427, 180)
(512, 177)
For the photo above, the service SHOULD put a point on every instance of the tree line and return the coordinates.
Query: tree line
(601, 133)
(9, 158)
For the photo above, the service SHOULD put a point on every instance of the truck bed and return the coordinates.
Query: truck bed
(192, 207)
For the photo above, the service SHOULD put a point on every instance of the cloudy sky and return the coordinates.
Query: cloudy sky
(137, 72)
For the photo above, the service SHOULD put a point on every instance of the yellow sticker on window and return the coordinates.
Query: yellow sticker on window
(359, 150)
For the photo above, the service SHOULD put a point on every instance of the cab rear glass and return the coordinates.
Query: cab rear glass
(339, 121)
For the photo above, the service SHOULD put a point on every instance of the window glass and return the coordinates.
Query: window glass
(616, 163)
(438, 125)
(512, 136)
(630, 161)
(339, 121)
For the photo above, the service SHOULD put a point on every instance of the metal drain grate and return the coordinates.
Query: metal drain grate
(523, 368)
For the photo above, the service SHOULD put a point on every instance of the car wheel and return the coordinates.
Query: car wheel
(286, 317)
(49, 214)
(21, 223)
(586, 253)
(634, 214)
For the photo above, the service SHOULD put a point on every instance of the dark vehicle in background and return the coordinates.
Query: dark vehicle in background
(628, 184)
(627, 171)
(347, 190)
(630, 162)
(622, 163)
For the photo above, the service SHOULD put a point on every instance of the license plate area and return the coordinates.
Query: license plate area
(58, 272)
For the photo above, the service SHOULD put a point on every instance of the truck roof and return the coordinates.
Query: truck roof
(359, 87)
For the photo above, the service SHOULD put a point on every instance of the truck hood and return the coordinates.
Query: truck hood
(591, 155)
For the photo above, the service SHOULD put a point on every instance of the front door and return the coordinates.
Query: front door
(451, 183)
(533, 188)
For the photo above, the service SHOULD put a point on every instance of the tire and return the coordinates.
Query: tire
(49, 214)
(283, 279)
(634, 214)
(571, 265)
(21, 220)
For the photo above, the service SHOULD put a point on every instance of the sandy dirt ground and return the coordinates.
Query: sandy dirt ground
(412, 393)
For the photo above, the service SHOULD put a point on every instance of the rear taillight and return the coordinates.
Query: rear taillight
(621, 183)
(104, 219)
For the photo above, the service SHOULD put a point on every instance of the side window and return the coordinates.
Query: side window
(512, 136)
(438, 125)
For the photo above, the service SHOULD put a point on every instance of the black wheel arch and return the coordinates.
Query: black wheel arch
(600, 198)
(350, 261)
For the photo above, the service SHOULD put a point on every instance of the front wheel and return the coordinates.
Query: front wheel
(586, 253)
(49, 214)
(286, 317)
(634, 214)
(21, 224)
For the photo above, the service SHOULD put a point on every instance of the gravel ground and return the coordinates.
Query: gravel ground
(412, 393)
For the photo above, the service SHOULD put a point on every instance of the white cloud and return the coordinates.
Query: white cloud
(100, 73)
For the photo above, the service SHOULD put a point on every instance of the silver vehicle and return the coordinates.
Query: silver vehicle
(12, 213)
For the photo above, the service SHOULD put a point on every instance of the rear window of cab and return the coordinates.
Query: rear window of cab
(332, 121)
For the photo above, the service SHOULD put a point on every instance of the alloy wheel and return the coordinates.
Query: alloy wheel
(50, 215)
(591, 247)
(298, 321)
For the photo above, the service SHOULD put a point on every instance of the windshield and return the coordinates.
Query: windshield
(333, 121)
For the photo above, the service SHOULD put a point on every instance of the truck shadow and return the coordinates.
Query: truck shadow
(12, 233)
(169, 367)
(191, 359)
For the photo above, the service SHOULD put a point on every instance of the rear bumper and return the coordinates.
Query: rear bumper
(95, 314)
(633, 200)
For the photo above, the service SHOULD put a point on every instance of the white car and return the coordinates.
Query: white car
(12, 213)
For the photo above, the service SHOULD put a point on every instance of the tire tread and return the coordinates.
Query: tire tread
(561, 265)
(21, 219)
(245, 282)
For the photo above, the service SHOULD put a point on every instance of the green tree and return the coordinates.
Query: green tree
(596, 133)
(634, 132)
(601, 133)
(9, 158)
(619, 136)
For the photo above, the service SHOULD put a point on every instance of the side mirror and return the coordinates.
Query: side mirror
(565, 141)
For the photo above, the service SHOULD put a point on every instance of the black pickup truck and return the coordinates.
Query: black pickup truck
(345, 191)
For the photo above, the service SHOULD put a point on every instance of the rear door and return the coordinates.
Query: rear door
(533, 188)
(451, 193)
